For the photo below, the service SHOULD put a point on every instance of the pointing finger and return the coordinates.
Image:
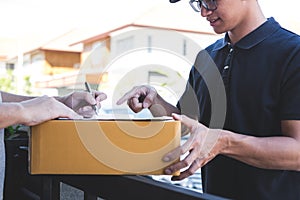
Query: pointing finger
(124, 98)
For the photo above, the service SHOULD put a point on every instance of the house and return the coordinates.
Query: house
(56, 63)
(90, 54)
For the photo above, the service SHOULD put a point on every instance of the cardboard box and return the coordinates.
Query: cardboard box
(102, 146)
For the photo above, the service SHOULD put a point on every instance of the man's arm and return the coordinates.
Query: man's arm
(204, 144)
(268, 152)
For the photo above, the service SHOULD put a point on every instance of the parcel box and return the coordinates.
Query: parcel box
(102, 146)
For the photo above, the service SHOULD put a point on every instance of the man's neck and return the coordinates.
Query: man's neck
(255, 19)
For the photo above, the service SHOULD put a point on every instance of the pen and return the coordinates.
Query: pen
(88, 88)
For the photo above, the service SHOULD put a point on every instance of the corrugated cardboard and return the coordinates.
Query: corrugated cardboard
(102, 147)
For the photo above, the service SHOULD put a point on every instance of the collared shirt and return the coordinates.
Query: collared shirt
(257, 86)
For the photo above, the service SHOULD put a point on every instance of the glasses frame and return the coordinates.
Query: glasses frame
(205, 5)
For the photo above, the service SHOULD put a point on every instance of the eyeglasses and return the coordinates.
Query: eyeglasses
(209, 5)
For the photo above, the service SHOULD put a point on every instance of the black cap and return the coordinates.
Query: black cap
(173, 1)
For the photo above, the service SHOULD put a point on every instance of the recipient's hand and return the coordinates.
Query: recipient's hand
(40, 109)
(139, 97)
(202, 146)
(81, 102)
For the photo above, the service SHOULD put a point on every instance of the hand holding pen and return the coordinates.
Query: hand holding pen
(88, 88)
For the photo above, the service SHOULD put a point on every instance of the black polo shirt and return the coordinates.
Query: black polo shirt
(260, 76)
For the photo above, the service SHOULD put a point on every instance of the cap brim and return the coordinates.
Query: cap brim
(173, 1)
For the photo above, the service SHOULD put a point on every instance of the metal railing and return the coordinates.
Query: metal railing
(113, 187)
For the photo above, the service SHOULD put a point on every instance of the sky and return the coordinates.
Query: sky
(44, 19)
(19, 17)
(56, 15)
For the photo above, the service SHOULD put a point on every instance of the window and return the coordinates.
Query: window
(124, 44)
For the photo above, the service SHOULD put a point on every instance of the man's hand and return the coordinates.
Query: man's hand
(202, 146)
(81, 102)
(139, 97)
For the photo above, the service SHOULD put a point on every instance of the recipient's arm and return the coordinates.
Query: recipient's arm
(16, 109)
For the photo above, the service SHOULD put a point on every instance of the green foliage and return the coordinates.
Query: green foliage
(8, 83)
(27, 85)
(12, 132)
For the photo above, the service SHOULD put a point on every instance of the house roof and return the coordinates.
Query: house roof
(160, 16)
(109, 17)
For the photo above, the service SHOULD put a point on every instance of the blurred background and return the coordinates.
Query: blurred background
(44, 43)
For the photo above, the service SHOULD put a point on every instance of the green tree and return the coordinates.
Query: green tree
(27, 86)
(8, 83)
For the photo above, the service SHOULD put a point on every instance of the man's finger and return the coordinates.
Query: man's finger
(188, 122)
(190, 171)
(148, 100)
(187, 161)
(125, 98)
(181, 150)
(100, 96)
